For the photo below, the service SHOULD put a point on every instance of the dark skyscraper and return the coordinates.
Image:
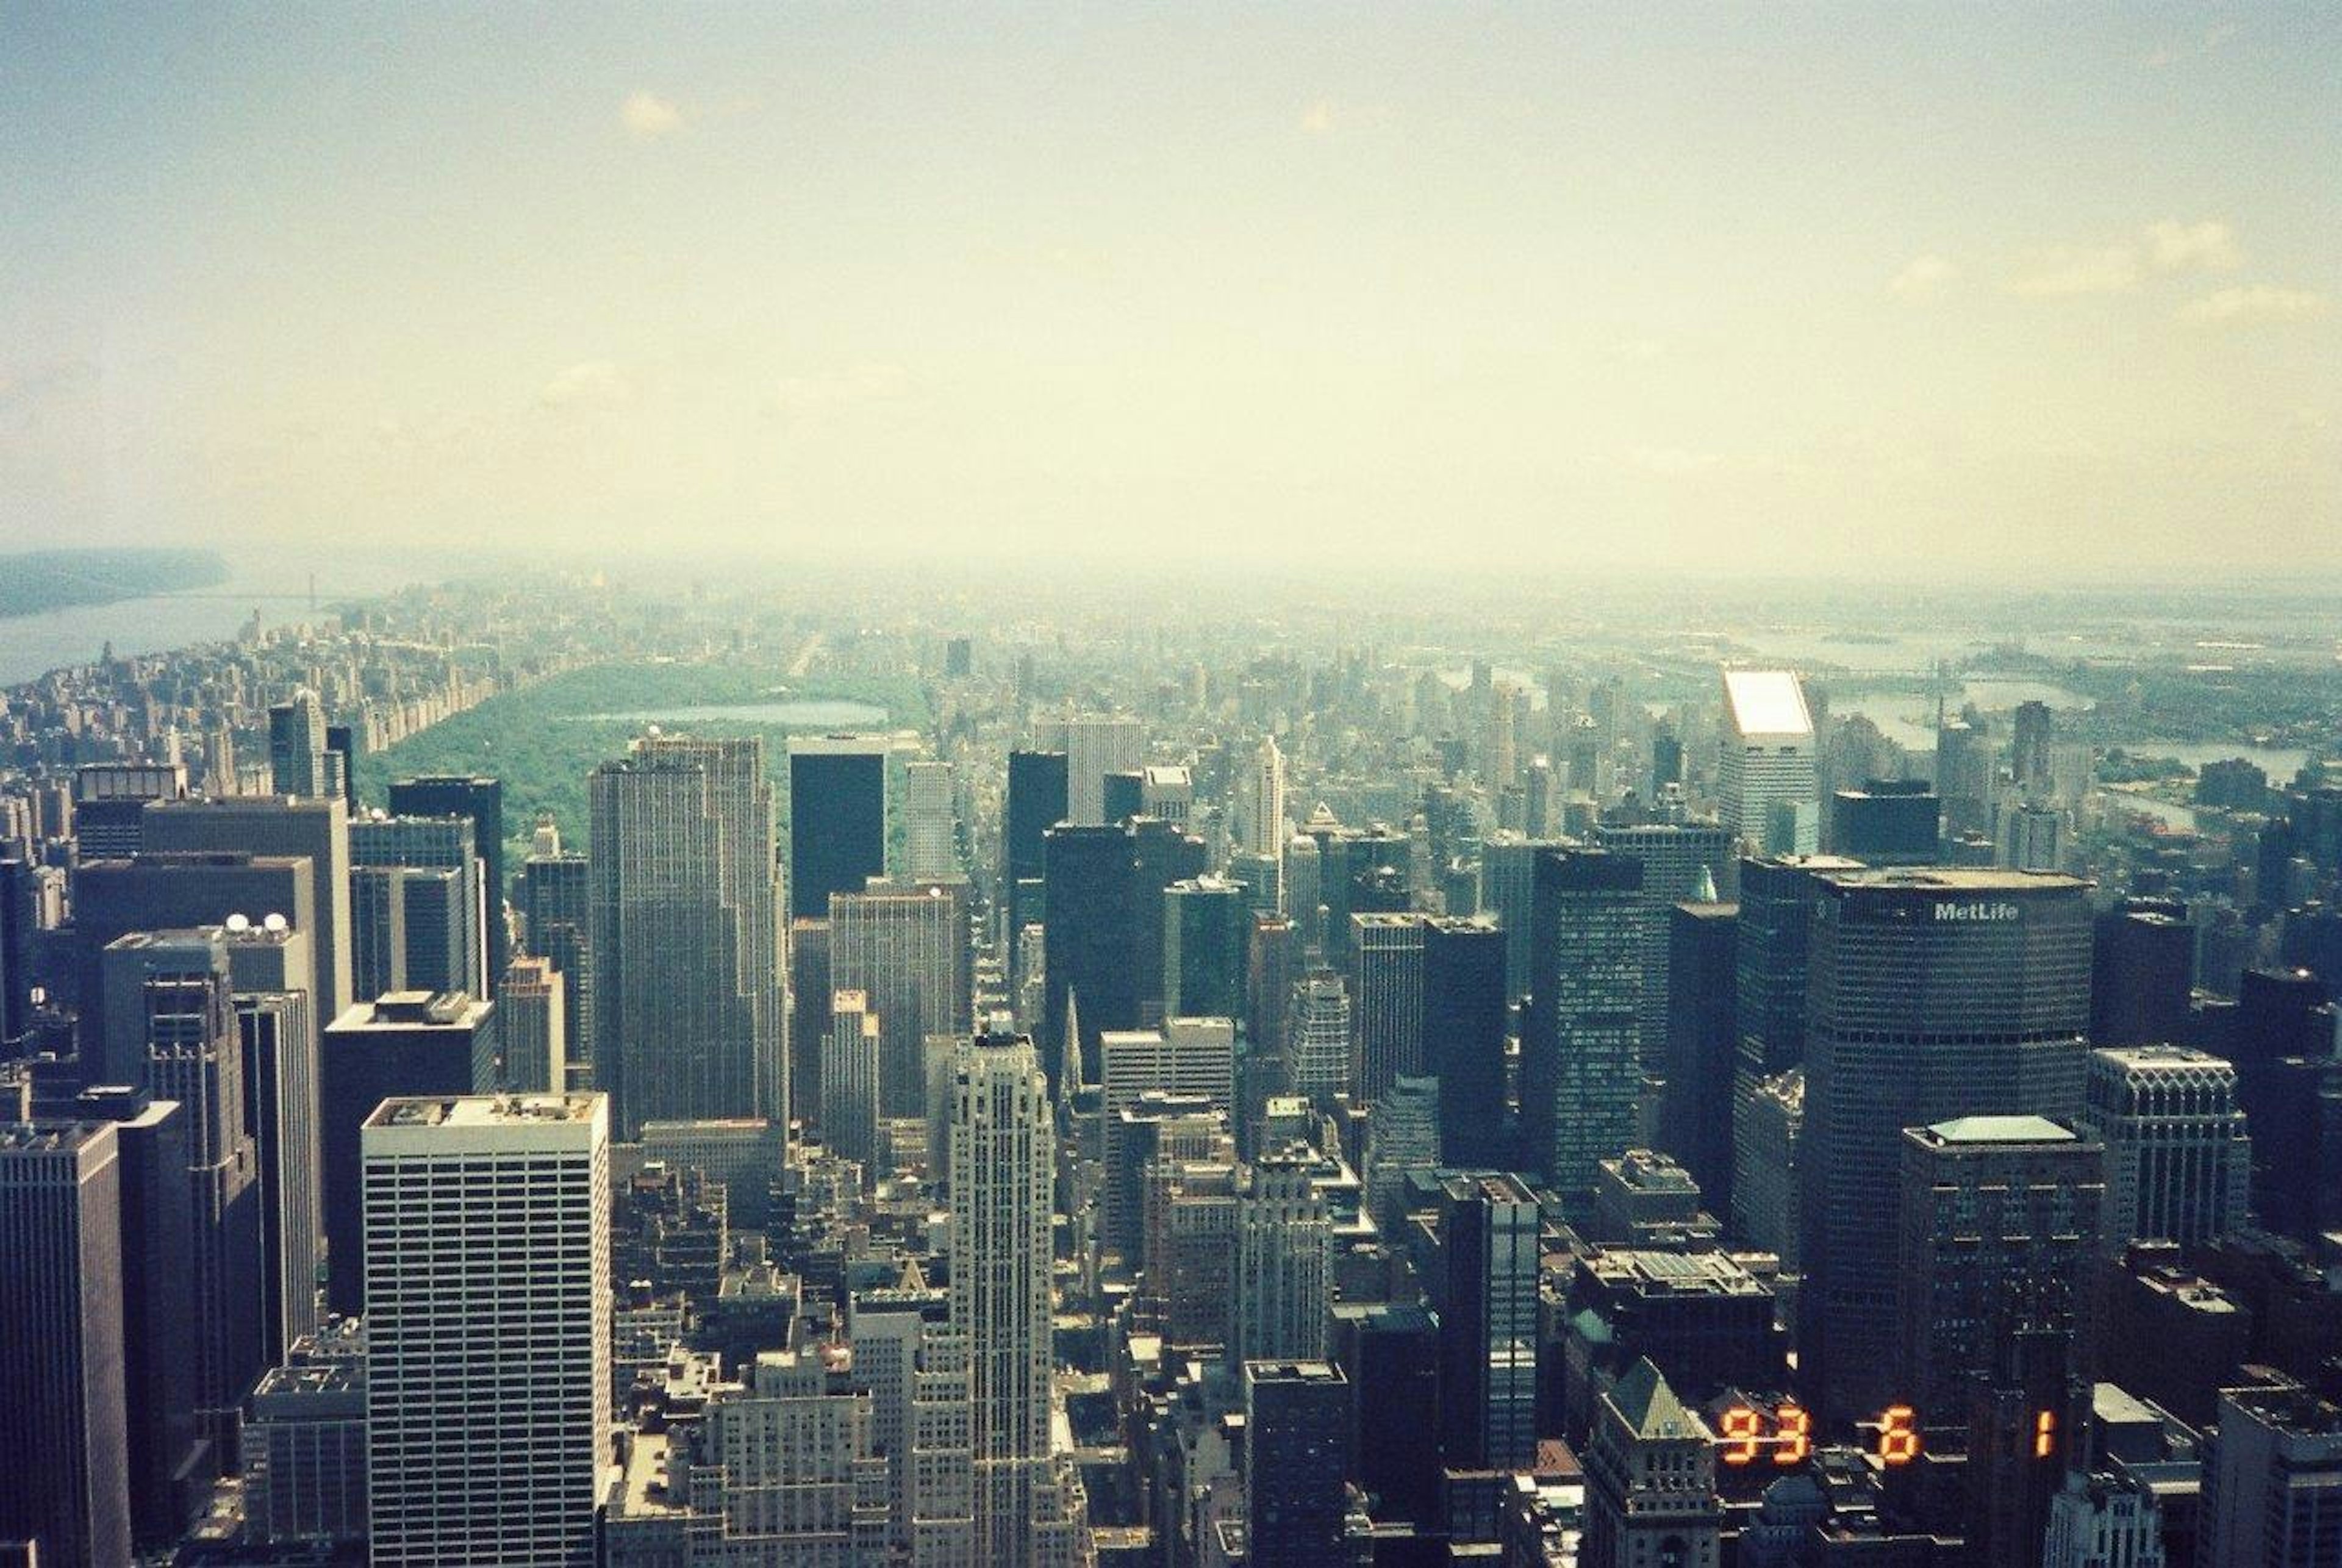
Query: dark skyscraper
(1933, 995)
(1205, 923)
(480, 800)
(838, 818)
(1036, 803)
(271, 825)
(1297, 1457)
(62, 1380)
(1488, 1304)
(1703, 1044)
(1580, 1072)
(2142, 970)
(398, 1046)
(1464, 1039)
(1887, 822)
(557, 908)
(1103, 921)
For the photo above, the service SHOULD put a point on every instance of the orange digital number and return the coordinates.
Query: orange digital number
(1793, 1435)
(1898, 1439)
(2045, 1434)
(1742, 1427)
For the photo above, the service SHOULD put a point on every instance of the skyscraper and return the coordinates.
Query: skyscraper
(2273, 1480)
(1579, 1067)
(1285, 1240)
(930, 849)
(1508, 892)
(1317, 1038)
(1887, 822)
(1002, 1168)
(1260, 802)
(1703, 1043)
(557, 908)
(904, 947)
(1766, 758)
(62, 1378)
(688, 993)
(435, 874)
(263, 826)
(1206, 921)
(1298, 1454)
(2142, 970)
(279, 1036)
(1464, 1038)
(480, 801)
(849, 1078)
(1385, 1001)
(296, 746)
(1682, 862)
(1650, 1480)
(1932, 996)
(1035, 804)
(406, 1044)
(838, 818)
(1095, 745)
(487, 1261)
(531, 1028)
(1486, 1295)
(2179, 1163)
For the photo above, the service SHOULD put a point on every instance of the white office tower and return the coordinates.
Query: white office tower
(1766, 760)
(1318, 1039)
(914, 1362)
(1027, 1508)
(788, 1460)
(849, 1080)
(1284, 1244)
(1094, 746)
(488, 1270)
(928, 850)
(2103, 1521)
(2178, 1161)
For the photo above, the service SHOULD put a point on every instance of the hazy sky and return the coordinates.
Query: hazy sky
(2003, 291)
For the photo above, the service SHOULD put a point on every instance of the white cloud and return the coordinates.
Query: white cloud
(590, 383)
(648, 116)
(1923, 278)
(2061, 271)
(2209, 245)
(857, 384)
(2260, 303)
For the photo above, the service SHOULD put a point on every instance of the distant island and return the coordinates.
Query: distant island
(42, 580)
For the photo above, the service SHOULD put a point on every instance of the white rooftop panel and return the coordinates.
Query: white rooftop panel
(1767, 703)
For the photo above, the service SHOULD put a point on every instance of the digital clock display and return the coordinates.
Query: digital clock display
(1783, 1435)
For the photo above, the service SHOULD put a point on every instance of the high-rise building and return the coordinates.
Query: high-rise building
(1486, 1295)
(1703, 1043)
(1385, 993)
(930, 849)
(62, 1377)
(1285, 1239)
(1260, 802)
(2273, 1481)
(532, 1028)
(265, 825)
(838, 818)
(1650, 1480)
(1090, 877)
(1682, 862)
(1035, 804)
(556, 910)
(1766, 758)
(2178, 1162)
(406, 1044)
(488, 1394)
(435, 873)
(687, 990)
(2001, 1220)
(1093, 745)
(1932, 996)
(296, 746)
(480, 801)
(2102, 1518)
(1580, 1024)
(194, 1053)
(904, 947)
(1317, 1038)
(849, 1078)
(279, 1036)
(304, 1456)
(1167, 792)
(1206, 921)
(1402, 1138)
(1002, 1167)
(2142, 971)
(1887, 822)
(1297, 1457)
(915, 1364)
(110, 803)
(1464, 1038)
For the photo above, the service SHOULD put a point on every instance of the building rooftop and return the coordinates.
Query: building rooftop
(483, 1111)
(413, 1009)
(1767, 703)
(1998, 1130)
(1953, 879)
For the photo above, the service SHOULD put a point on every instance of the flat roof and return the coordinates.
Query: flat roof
(1767, 703)
(2000, 1130)
(1949, 879)
(481, 1111)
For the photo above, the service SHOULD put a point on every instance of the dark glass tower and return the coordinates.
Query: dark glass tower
(480, 800)
(837, 819)
(1464, 1038)
(1580, 1069)
(1296, 1463)
(1036, 803)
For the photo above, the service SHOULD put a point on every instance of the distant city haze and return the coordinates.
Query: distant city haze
(1986, 291)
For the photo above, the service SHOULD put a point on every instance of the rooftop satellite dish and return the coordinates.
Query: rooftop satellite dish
(238, 923)
(274, 923)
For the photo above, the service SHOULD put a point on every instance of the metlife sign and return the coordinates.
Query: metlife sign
(1979, 912)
